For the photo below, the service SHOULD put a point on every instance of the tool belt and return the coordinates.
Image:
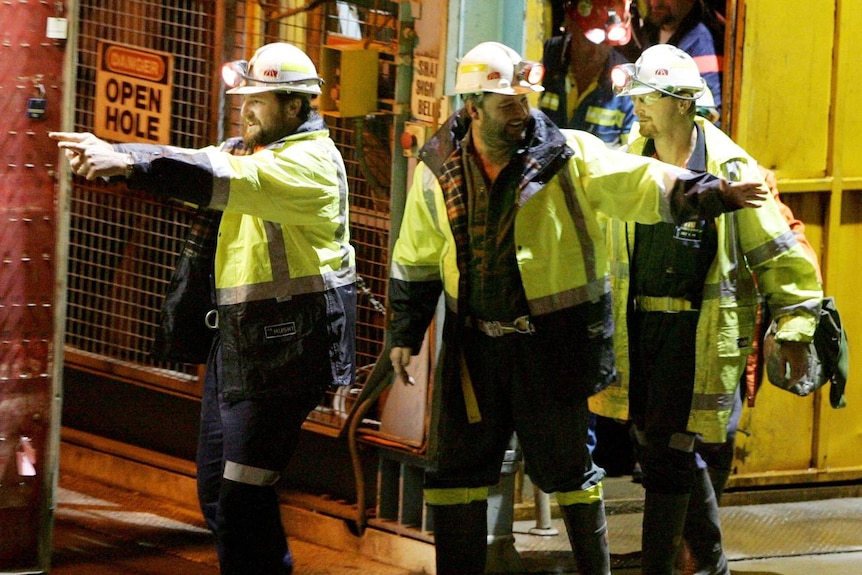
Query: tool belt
(521, 325)
(663, 304)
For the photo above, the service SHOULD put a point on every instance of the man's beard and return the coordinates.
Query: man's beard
(260, 137)
(501, 141)
(265, 135)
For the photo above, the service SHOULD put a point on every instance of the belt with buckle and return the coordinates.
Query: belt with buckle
(663, 304)
(499, 328)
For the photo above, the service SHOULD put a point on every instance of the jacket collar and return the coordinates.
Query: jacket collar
(544, 147)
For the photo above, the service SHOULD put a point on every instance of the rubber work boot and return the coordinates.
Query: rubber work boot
(461, 538)
(663, 522)
(250, 534)
(588, 535)
(702, 531)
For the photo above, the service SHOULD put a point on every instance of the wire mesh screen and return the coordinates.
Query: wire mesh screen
(123, 245)
(121, 253)
(123, 248)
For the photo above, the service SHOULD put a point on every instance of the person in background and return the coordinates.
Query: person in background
(689, 297)
(693, 27)
(284, 282)
(501, 218)
(579, 95)
(578, 92)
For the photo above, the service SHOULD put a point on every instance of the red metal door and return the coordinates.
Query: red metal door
(31, 66)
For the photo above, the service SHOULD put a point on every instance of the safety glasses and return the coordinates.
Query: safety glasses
(647, 99)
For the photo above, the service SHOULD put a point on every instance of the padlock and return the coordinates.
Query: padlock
(36, 105)
(36, 108)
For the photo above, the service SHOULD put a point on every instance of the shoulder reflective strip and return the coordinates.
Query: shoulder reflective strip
(770, 250)
(604, 117)
(429, 185)
(415, 273)
(250, 475)
(221, 178)
(593, 494)
(455, 496)
(570, 298)
(577, 215)
(549, 101)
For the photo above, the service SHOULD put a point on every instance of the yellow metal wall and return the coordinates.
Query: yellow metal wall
(795, 103)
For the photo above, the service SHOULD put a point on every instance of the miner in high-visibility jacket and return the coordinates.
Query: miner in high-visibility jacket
(501, 218)
(689, 296)
(284, 288)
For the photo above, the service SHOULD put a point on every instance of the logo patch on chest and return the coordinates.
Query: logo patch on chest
(689, 233)
(280, 330)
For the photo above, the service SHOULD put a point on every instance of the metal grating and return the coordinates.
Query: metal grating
(123, 246)
(121, 255)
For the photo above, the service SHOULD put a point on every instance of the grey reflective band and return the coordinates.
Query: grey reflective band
(250, 475)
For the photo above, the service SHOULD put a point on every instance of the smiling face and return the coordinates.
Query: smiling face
(501, 120)
(267, 118)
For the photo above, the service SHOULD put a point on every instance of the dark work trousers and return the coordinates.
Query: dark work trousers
(717, 458)
(660, 394)
(515, 392)
(262, 434)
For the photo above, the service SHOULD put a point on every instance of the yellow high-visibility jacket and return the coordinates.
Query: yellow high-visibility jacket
(568, 177)
(751, 242)
(284, 270)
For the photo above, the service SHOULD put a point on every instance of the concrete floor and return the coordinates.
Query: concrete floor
(101, 530)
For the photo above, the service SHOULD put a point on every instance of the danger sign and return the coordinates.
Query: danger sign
(133, 94)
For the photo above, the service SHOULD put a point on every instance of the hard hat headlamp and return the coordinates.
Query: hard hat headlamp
(602, 21)
(623, 77)
(615, 32)
(233, 73)
(530, 72)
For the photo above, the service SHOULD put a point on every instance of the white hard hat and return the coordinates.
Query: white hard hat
(278, 67)
(663, 68)
(494, 67)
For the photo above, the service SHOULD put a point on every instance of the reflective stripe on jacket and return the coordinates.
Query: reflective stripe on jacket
(284, 235)
(559, 245)
(751, 240)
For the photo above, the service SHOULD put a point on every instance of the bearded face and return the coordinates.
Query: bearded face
(265, 119)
